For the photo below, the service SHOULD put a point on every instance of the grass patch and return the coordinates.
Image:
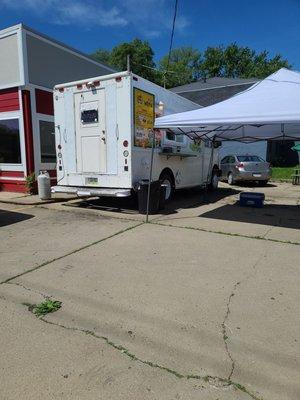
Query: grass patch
(45, 307)
(282, 173)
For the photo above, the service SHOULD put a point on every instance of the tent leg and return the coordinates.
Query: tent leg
(150, 178)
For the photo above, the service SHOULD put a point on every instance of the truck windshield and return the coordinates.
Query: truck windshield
(249, 159)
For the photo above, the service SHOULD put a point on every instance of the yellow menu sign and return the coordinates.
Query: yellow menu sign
(144, 114)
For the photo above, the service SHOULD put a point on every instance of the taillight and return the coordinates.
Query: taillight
(240, 165)
(125, 143)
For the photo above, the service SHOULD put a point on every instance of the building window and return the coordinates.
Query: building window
(47, 142)
(10, 150)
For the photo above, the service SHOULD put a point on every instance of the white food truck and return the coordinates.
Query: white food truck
(104, 131)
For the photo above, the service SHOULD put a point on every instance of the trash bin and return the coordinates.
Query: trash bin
(143, 196)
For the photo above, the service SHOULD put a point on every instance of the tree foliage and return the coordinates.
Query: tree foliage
(184, 67)
(236, 61)
(187, 64)
(141, 58)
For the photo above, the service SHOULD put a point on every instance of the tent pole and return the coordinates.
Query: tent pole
(150, 177)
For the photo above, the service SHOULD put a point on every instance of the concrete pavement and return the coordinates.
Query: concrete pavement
(149, 311)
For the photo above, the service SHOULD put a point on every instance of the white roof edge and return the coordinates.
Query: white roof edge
(95, 78)
(10, 29)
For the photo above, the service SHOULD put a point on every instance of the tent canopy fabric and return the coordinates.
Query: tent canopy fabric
(296, 147)
(270, 109)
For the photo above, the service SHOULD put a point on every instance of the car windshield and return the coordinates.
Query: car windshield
(249, 159)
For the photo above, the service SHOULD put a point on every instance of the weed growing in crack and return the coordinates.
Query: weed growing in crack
(45, 307)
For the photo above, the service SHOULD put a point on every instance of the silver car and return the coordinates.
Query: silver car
(245, 168)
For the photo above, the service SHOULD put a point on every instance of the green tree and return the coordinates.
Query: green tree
(236, 61)
(102, 55)
(213, 62)
(141, 58)
(184, 67)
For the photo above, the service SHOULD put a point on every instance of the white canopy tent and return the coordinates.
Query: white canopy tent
(270, 109)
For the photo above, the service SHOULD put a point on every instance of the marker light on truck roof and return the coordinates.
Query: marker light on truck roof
(118, 78)
(79, 86)
(61, 89)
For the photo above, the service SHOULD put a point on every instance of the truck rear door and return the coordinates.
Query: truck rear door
(90, 124)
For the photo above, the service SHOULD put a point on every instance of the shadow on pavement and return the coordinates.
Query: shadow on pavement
(274, 215)
(183, 199)
(12, 217)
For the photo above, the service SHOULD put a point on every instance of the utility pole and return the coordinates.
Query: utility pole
(128, 63)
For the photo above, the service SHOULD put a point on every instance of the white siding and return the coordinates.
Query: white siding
(9, 64)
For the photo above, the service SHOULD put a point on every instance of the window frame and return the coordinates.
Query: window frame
(15, 166)
(174, 143)
(45, 118)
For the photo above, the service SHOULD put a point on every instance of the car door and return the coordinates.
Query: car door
(231, 165)
(224, 167)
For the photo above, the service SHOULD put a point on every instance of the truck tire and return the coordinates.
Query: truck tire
(214, 181)
(167, 179)
(230, 179)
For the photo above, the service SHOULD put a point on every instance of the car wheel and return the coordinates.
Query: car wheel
(230, 179)
(167, 180)
(263, 183)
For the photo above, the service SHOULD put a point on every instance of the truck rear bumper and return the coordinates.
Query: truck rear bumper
(90, 191)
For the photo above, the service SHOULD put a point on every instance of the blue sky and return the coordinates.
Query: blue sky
(273, 25)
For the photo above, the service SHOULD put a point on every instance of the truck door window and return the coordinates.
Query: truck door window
(89, 116)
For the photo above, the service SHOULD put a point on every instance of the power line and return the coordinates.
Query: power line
(171, 41)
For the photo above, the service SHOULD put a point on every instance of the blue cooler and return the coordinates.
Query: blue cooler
(252, 199)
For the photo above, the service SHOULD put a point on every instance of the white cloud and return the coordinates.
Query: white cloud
(150, 18)
(69, 12)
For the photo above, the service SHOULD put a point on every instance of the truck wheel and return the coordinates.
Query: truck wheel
(167, 179)
(213, 185)
(230, 179)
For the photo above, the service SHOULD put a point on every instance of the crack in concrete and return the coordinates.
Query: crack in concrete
(214, 381)
(227, 233)
(28, 289)
(224, 330)
(211, 380)
(69, 253)
(226, 316)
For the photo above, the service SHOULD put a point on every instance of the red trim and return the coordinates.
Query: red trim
(13, 174)
(44, 102)
(13, 186)
(9, 100)
(52, 173)
(9, 184)
(27, 116)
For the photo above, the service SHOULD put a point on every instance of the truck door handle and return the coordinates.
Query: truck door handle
(103, 138)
